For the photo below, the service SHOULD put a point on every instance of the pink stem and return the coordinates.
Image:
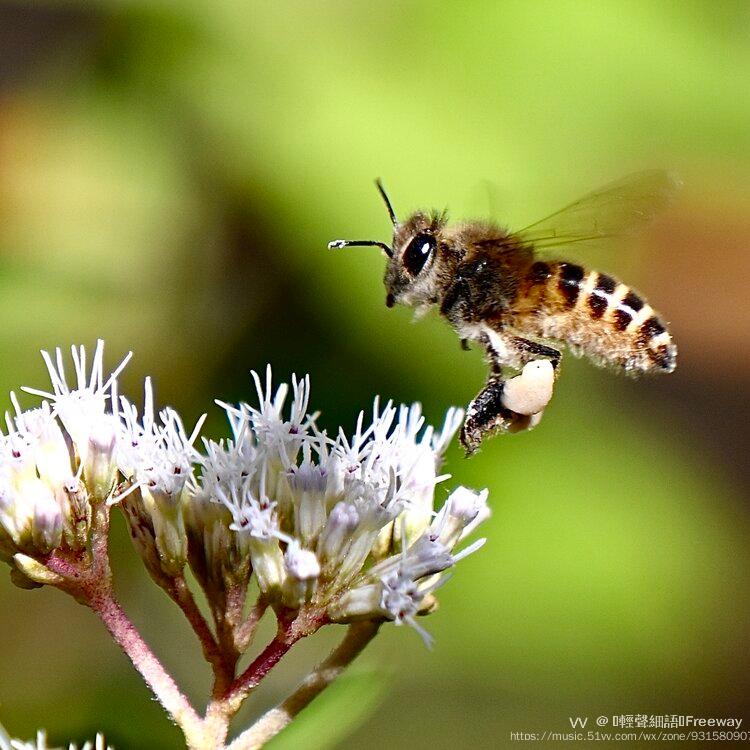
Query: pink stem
(263, 664)
(246, 630)
(90, 582)
(271, 723)
(156, 677)
(183, 597)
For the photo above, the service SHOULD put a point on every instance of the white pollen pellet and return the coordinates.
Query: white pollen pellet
(529, 392)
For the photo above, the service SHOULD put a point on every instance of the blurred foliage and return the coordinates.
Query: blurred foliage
(339, 711)
(170, 174)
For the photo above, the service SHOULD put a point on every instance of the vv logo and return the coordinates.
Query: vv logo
(578, 721)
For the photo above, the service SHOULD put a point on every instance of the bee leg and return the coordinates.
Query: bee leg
(486, 416)
(456, 304)
(529, 392)
(529, 350)
(494, 360)
(465, 344)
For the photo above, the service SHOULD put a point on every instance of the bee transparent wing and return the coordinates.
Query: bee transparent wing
(615, 210)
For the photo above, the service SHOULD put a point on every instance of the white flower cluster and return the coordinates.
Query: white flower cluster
(56, 460)
(342, 526)
(346, 523)
(40, 743)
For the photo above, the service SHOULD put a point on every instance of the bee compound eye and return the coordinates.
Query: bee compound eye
(418, 252)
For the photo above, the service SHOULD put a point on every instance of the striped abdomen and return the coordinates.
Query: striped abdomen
(597, 316)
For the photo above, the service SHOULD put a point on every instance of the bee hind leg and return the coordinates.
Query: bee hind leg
(487, 415)
(529, 350)
(515, 404)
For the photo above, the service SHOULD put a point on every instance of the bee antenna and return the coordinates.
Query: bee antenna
(336, 244)
(386, 200)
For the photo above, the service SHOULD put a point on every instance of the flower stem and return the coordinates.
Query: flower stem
(180, 593)
(156, 677)
(246, 630)
(260, 667)
(227, 618)
(272, 722)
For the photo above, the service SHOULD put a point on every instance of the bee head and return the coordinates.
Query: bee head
(410, 276)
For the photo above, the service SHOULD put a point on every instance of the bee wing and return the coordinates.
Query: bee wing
(615, 210)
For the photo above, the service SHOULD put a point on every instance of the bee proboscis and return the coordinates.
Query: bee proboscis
(493, 288)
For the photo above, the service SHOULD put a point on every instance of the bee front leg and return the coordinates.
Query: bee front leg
(456, 303)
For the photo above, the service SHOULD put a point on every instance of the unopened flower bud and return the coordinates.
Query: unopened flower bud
(47, 523)
(7, 547)
(169, 531)
(428, 605)
(308, 483)
(268, 565)
(342, 521)
(335, 475)
(19, 459)
(99, 467)
(76, 508)
(142, 534)
(426, 557)
(463, 511)
(35, 571)
(21, 580)
(418, 493)
(360, 603)
(16, 515)
(51, 452)
(383, 546)
(303, 569)
(219, 557)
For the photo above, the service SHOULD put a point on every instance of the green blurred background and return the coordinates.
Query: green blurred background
(170, 174)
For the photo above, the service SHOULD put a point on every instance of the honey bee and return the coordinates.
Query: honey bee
(492, 287)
